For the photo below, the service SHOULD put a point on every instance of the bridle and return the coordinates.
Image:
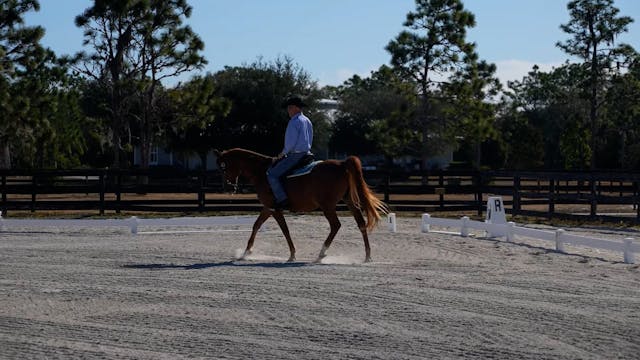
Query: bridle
(223, 166)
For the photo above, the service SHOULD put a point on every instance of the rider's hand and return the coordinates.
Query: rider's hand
(277, 158)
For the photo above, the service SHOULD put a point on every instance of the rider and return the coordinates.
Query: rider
(297, 143)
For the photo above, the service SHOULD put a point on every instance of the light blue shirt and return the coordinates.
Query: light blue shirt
(298, 137)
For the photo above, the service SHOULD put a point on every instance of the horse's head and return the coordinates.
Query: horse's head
(229, 165)
(248, 164)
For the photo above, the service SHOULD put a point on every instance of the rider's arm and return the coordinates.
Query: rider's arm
(291, 136)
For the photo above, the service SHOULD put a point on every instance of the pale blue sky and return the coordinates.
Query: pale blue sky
(334, 39)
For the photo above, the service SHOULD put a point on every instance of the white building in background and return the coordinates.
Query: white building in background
(329, 107)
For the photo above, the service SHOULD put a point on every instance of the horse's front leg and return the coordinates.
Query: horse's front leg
(264, 215)
(285, 230)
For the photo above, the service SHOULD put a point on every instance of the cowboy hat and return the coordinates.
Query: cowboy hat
(295, 100)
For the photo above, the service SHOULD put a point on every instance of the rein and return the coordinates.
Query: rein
(235, 184)
(249, 156)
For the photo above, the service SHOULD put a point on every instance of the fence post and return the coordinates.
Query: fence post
(620, 188)
(515, 208)
(441, 195)
(559, 242)
(637, 200)
(594, 202)
(387, 184)
(118, 191)
(34, 191)
(579, 185)
(629, 257)
(4, 194)
(552, 197)
(510, 226)
(201, 200)
(478, 181)
(426, 226)
(464, 228)
(133, 224)
(103, 187)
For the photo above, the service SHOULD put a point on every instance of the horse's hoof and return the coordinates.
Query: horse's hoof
(291, 259)
(367, 259)
(245, 255)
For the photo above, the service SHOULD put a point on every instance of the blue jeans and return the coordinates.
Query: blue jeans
(275, 172)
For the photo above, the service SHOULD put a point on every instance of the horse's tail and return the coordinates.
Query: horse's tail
(360, 195)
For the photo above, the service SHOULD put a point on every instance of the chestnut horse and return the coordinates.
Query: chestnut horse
(329, 182)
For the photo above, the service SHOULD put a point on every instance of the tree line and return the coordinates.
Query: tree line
(92, 108)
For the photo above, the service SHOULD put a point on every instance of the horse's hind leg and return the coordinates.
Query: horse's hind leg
(334, 224)
(362, 225)
(264, 215)
(285, 231)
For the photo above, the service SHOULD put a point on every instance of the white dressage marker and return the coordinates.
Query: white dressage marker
(391, 220)
(495, 215)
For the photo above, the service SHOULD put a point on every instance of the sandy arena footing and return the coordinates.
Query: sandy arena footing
(104, 293)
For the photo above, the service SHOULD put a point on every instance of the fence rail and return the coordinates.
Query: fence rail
(604, 195)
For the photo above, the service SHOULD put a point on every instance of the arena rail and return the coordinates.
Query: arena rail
(509, 230)
(133, 223)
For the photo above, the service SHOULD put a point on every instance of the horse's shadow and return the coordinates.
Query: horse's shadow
(201, 266)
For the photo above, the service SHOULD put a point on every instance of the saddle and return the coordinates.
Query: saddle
(303, 170)
(303, 167)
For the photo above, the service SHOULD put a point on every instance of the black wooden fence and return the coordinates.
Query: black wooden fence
(603, 195)
(608, 196)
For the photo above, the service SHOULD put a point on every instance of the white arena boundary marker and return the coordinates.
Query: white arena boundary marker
(133, 223)
(391, 221)
(509, 230)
